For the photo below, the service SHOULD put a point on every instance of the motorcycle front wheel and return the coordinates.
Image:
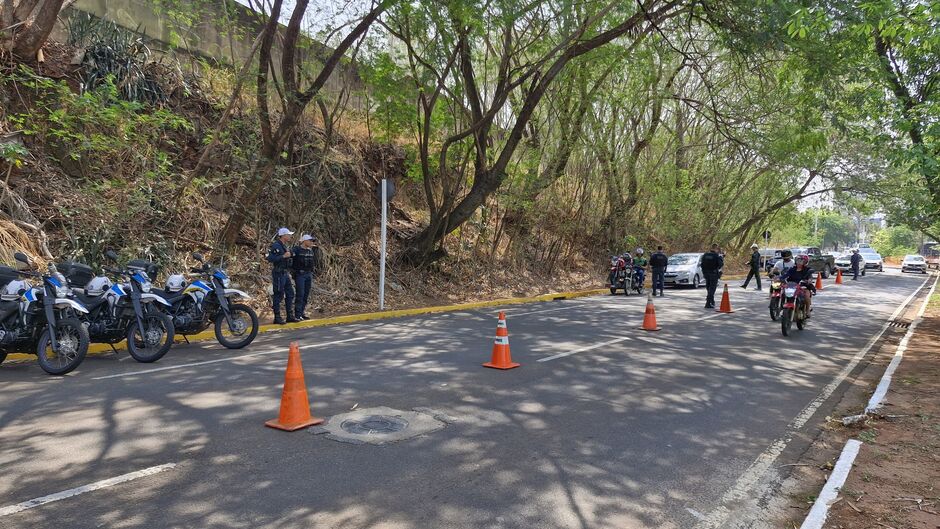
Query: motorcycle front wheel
(73, 346)
(801, 319)
(243, 330)
(774, 309)
(154, 340)
(786, 321)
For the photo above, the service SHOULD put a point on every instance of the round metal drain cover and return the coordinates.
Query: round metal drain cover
(374, 424)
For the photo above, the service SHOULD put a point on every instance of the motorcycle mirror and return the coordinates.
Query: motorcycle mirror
(21, 257)
(197, 256)
(111, 255)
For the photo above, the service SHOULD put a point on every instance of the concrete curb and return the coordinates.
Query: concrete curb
(817, 515)
(99, 348)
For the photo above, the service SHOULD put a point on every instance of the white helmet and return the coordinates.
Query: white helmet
(639, 251)
(175, 283)
(755, 246)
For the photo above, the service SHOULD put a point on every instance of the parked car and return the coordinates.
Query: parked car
(914, 263)
(684, 269)
(844, 263)
(872, 259)
(821, 262)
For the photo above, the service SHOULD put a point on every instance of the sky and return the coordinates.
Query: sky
(322, 15)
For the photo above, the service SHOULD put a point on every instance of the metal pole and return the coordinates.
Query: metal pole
(382, 250)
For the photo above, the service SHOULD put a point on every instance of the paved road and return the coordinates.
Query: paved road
(668, 429)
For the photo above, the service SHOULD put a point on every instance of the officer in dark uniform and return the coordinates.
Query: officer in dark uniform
(658, 262)
(754, 267)
(306, 265)
(712, 262)
(855, 261)
(280, 258)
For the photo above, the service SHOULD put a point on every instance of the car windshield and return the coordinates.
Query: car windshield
(870, 255)
(914, 258)
(682, 259)
(798, 251)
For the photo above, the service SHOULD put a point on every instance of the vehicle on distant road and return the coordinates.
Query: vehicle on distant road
(914, 263)
(818, 261)
(844, 263)
(684, 269)
(873, 259)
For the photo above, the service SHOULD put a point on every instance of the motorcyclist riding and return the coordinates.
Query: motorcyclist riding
(803, 274)
(785, 263)
(639, 265)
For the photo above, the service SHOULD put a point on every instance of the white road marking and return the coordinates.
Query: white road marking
(571, 306)
(583, 349)
(695, 513)
(875, 402)
(19, 507)
(227, 359)
(759, 467)
(817, 515)
(742, 309)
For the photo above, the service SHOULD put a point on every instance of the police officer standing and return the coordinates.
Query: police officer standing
(755, 267)
(658, 263)
(712, 262)
(855, 261)
(280, 258)
(306, 265)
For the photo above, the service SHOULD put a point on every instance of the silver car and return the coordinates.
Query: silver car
(844, 263)
(685, 269)
(914, 263)
(872, 259)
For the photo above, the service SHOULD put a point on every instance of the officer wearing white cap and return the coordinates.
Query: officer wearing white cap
(306, 265)
(281, 259)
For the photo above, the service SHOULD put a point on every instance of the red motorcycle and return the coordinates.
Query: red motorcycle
(620, 276)
(794, 308)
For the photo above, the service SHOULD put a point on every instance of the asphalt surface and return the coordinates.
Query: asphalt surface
(647, 430)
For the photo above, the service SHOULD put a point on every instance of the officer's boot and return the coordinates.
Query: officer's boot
(278, 320)
(290, 316)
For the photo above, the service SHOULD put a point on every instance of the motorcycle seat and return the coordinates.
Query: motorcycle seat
(170, 297)
(90, 302)
(7, 308)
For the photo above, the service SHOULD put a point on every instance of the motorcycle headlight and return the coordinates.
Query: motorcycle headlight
(790, 292)
(61, 292)
(226, 282)
(146, 286)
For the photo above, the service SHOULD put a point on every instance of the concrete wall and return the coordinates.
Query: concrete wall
(209, 38)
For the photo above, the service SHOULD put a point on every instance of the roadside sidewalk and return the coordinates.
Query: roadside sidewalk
(895, 481)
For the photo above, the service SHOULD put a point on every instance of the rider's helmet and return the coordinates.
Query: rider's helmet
(786, 254)
(754, 246)
(803, 259)
(175, 283)
(639, 251)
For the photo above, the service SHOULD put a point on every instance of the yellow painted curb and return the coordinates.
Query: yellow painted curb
(98, 348)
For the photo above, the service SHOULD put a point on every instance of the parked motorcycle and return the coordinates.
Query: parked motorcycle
(41, 320)
(124, 311)
(776, 303)
(794, 310)
(620, 276)
(208, 300)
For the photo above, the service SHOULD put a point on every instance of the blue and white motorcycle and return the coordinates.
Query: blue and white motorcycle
(123, 311)
(42, 320)
(208, 300)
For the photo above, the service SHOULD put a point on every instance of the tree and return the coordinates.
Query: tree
(28, 23)
(291, 94)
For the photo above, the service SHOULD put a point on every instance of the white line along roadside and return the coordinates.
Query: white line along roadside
(878, 397)
(583, 349)
(741, 489)
(36, 502)
(228, 359)
(817, 515)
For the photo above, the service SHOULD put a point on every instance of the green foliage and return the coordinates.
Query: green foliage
(895, 241)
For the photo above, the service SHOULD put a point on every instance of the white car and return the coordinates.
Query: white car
(844, 263)
(872, 259)
(685, 269)
(914, 263)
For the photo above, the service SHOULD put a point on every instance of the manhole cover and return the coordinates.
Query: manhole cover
(381, 425)
(374, 424)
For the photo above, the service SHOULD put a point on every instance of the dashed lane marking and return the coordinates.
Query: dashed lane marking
(583, 349)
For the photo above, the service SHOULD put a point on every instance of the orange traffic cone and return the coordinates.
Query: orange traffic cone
(819, 281)
(838, 276)
(649, 319)
(295, 408)
(501, 357)
(725, 301)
